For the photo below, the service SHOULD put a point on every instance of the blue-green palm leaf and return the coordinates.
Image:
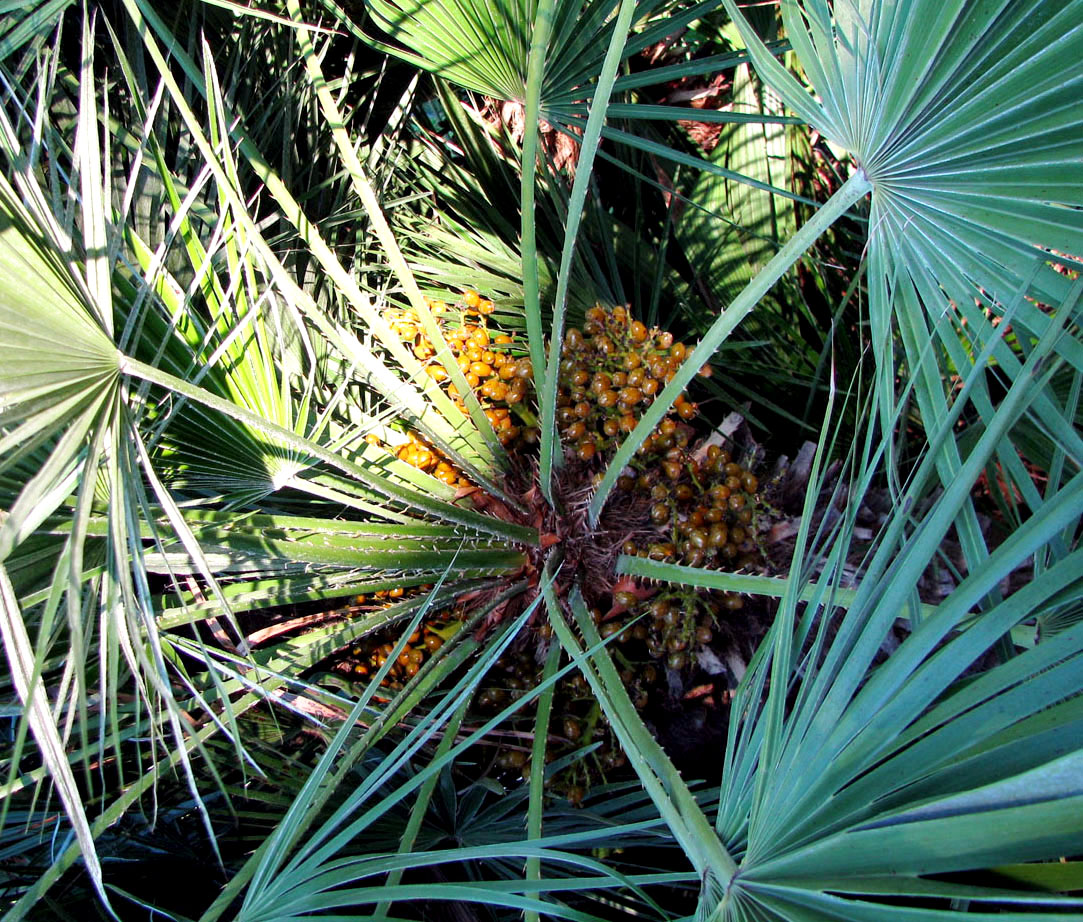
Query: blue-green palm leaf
(965, 118)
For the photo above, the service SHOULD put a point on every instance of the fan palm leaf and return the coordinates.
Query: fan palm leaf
(960, 117)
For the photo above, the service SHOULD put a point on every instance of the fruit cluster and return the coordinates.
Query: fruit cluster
(610, 372)
(366, 656)
(494, 364)
(672, 625)
(416, 451)
(704, 504)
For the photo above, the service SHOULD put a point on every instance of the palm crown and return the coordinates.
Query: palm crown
(196, 405)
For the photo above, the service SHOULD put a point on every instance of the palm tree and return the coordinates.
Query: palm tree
(172, 405)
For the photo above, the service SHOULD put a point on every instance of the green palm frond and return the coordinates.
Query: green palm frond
(485, 48)
(27, 21)
(960, 118)
(64, 401)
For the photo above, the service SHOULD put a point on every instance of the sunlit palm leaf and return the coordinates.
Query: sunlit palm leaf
(962, 119)
(61, 393)
(27, 680)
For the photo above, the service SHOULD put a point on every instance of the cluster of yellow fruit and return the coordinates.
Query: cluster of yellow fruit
(494, 364)
(366, 657)
(610, 372)
(417, 452)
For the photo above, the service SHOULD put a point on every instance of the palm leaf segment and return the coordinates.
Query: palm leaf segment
(965, 118)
